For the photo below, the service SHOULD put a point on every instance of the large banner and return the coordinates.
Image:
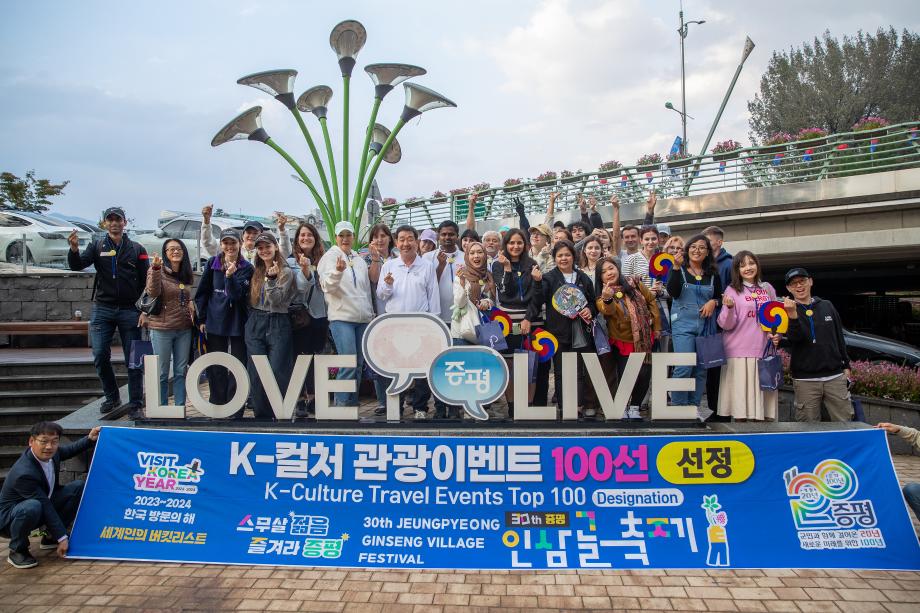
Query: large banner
(803, 500)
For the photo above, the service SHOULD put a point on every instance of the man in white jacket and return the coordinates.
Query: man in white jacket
(343, 277)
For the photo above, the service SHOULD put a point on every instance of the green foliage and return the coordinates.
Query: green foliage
(28, 194)
(832, 84)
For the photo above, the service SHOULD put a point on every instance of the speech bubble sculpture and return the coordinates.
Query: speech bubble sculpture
(659, 267)
(470, 376)
(773, 317)
(401, 346)
(544, 343)
(496, 314)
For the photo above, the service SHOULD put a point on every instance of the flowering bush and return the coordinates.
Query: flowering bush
(609, 165)
(459, 190)
(870, 123)
(389, 201)
(512, 182)
(726, 146)
(565, 174)
(778, 138)
(649, 159)
(886, 380)
(883, 380)
(438, 194)
(811, 134)
(549, 175)
(677, 155)
(481, 187)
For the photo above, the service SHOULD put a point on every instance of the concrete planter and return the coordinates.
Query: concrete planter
(876, 409)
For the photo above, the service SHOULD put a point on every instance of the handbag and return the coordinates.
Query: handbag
(601, 340)
(580, 338)
(300, 314)
(770, 368)
(140, 348)
(149, 305)
(490, 334)
(467, 321)
(531, 365)
(710, 352)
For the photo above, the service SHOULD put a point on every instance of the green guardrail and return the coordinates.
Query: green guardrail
(837, 155)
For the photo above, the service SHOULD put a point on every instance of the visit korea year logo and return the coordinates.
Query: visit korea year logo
(163, 472)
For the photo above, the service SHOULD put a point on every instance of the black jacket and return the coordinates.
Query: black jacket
(26, 481)
(821, 355)
(223, 303)
(515, 289)
(556, 323)
(120, 278)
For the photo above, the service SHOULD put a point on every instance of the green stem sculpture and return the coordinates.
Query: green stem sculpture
(362, 169)
(373, 171)
(337, 205)
(346, 81)
(314, 152)
(323, 208)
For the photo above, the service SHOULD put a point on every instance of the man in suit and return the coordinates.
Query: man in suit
(32, 497)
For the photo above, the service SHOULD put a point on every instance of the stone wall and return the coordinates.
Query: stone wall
(45, 297)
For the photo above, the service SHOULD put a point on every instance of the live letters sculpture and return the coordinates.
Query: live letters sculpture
(380, 144)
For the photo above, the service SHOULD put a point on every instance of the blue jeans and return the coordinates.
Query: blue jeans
(26, 516)
(912, 496)
(686, 326)
(102, 325)
(347, 338)
(269, 334)
(174, 344)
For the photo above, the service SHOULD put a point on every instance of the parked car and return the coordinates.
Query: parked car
(96, 232)
(187, 228)
(871, 348)
(45, 237)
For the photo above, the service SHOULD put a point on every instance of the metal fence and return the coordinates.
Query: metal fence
(838, 155)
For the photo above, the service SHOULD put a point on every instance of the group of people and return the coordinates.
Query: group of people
(261, 293)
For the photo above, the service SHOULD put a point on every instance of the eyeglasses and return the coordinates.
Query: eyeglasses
(48, 442)
(798, 282)
(698, 248)
(174, 250)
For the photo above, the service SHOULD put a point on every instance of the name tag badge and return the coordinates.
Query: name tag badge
(108, 253)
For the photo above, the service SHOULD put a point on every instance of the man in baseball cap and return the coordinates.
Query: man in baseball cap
(820, 366)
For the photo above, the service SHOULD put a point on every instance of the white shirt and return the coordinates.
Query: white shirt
(446, 282)
(414, 289)
(48, 469)
(348, 293)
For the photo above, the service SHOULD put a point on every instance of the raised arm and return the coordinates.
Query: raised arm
(471, 212)
(650, 208)
(617, 235)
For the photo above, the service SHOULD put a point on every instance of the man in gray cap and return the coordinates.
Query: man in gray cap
(820, 365)
(121, 273)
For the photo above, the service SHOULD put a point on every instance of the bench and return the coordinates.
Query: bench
(22, 328)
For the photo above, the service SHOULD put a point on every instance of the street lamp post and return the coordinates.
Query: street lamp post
(682, 31)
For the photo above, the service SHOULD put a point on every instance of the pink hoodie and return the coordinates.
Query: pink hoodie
(742, 335)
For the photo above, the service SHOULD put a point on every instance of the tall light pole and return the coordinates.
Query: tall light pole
(682, 31)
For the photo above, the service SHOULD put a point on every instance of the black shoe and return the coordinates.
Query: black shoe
(21, 560)
(109, 405)
(380, 411)
(134, 410)
(48, 543)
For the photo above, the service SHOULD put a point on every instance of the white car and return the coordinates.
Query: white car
(187, 228)
(45, 238)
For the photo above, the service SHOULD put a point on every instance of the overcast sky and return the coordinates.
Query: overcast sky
(123, 98)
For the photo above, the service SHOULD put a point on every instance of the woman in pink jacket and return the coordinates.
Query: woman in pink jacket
(740, 395)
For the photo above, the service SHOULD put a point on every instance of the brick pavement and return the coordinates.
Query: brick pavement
(79, 585)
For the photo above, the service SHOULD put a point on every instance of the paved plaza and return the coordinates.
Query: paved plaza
(57, 585)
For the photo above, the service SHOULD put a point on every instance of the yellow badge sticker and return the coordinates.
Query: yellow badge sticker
(109, 253)
(705, 462)
(182, 286)
(809, 312)
(699, 277)
(619, 294)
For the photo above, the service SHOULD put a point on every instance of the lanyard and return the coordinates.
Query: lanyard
(115, 259)
(450, 264)
(351, 265)
(809, 315)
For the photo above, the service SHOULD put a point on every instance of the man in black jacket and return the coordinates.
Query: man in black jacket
(820, 366)
(121, 273)
(32, 497)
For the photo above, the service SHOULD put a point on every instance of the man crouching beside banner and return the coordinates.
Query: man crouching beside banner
(31, 496)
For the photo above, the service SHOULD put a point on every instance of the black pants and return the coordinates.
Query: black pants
(642, 382)
(557, 373)
(311, 340)
(221, 384)
(27, 515)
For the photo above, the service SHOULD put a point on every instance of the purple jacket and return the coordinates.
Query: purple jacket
(742, 335)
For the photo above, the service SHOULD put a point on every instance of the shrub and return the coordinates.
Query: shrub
(481, 187)
(389, 201)
(811, 134)
(609, 165)
(870, 123)
(778, 138)
(677, 155)
(438, 194)
(882, 380)
(726, 146)
(549, 175)
(649, 159)
(512, 182)
(459, 190)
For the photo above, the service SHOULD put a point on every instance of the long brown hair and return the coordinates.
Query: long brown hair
(318, 250)
(473, 276)
(737, 283)
(382, 227)
(258, 275)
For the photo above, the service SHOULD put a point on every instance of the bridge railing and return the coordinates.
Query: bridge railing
(837, 155)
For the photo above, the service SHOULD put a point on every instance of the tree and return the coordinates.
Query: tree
(833, 84)
(28, 193)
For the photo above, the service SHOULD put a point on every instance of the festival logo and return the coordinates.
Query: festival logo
(162, 472)
(825, 511)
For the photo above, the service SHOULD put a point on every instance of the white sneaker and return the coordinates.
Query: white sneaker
(634, 414)
(591, 412)
(421, 415)
(703, 414)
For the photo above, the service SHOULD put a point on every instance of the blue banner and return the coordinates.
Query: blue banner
(803, 500)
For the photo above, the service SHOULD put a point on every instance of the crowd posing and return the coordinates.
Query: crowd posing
(261, 293)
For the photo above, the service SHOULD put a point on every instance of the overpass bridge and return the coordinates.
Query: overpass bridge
(846, 206)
